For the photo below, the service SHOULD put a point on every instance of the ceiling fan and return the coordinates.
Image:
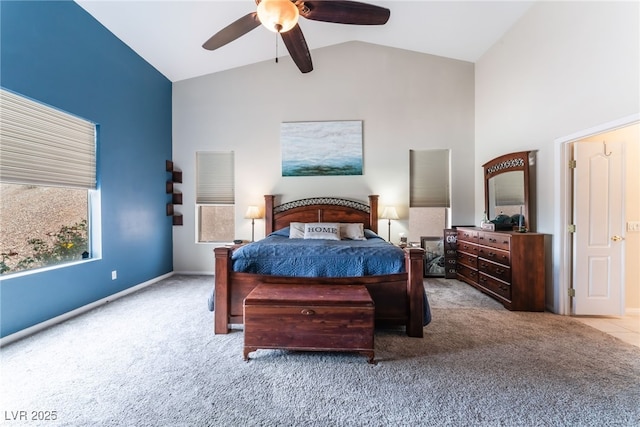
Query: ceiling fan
(281, 16)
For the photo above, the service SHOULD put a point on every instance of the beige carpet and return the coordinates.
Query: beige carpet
(151, 359)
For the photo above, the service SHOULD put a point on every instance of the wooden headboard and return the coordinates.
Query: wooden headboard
(320, 209)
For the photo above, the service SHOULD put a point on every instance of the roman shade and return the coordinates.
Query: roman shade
(429, 179)
(215, 178)
(40, 145)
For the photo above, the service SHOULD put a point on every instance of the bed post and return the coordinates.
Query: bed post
(268, 214)
(222, 293)
(373, 212)
(415, 289)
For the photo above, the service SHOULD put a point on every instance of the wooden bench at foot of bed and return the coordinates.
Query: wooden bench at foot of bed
(309, 318)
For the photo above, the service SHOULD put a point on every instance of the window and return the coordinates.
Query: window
(47, 176)
(215, 197)
(429, 179)
(429, 190)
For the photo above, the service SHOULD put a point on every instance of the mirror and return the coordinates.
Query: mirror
(507, 191)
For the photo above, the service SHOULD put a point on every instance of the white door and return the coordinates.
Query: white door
(598, 273)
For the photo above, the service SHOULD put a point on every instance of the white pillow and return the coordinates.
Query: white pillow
(353, 231)
(296, 230)
(322, 230)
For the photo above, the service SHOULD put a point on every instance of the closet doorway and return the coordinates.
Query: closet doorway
(599, 195)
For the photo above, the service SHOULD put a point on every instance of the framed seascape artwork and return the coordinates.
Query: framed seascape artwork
(321, 148)
(434, 265)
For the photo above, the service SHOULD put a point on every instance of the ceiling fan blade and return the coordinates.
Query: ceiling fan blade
(232, 31)
(345, 12)
(298, 49)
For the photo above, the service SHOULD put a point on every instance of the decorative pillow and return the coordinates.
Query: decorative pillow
(353, 231)
(296, 230)
(322, 230)
(284, 232)
(368, 234)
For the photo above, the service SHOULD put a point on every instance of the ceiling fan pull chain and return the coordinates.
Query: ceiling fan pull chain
(277, 34)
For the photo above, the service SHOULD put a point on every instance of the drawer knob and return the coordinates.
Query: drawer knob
(307, 312)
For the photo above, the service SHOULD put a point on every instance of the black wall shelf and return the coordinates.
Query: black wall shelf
(176, 195)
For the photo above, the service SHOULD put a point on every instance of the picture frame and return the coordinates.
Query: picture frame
(434, 262)
(321, 148)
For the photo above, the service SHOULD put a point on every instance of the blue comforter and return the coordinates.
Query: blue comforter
(278, 255)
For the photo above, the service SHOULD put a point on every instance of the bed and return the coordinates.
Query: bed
(399, 296)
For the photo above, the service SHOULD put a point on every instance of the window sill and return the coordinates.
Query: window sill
(17, 274)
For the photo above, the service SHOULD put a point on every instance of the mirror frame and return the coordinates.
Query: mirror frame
(511, 162)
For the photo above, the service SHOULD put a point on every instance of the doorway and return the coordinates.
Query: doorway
(625, 280)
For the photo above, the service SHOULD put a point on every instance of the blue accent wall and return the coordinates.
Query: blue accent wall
(56, 53)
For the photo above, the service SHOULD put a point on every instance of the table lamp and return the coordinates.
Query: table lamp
(253, 213)
(389, 213)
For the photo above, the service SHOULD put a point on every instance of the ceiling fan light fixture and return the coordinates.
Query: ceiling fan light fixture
(278, 16)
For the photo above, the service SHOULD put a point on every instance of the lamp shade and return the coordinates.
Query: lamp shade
(253, 213)
(389, 212)
(278, 16)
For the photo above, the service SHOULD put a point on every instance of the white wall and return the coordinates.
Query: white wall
(406, 100)
(564, 67)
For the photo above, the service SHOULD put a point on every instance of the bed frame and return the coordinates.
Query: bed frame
(398, 297)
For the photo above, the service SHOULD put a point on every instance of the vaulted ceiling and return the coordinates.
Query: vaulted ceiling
(169, 34)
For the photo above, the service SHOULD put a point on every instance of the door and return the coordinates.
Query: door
(599, 219)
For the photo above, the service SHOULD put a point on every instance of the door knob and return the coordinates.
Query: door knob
(617, 238)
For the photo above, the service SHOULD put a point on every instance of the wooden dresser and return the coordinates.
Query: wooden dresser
(506, 265)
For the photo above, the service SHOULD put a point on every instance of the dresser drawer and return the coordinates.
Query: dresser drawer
(496, 286)
(469, 260)
(467, 235)
(468, 247)
(496, 255)
(499, 271)
(467, 272)
(495, 240)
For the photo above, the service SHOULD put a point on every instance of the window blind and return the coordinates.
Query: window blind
(429, 179)
(215, 178)
(40, 145)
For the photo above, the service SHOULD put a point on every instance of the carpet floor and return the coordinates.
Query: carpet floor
(151, 359)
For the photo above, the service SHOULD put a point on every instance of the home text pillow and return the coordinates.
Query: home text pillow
(353, 231)
(296, 230)
(322, 230)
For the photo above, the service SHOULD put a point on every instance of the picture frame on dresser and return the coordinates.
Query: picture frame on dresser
(434, 262)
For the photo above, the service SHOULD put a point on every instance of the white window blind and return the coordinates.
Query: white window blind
(40, 145)
(429, 179)
(215, 178)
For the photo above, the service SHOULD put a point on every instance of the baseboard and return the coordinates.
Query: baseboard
(632, 311)
(78, 311)
(195, 273)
